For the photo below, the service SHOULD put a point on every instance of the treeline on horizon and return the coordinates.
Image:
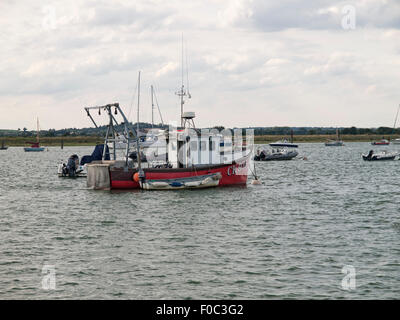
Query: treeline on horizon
(281, 131)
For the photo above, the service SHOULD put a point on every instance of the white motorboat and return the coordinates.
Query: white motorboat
(275, 154)
(380, 156)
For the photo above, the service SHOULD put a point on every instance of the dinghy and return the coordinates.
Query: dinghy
(381, 156)
(193, 182)
(275, 154)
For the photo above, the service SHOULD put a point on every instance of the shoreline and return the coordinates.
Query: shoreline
(264, 139)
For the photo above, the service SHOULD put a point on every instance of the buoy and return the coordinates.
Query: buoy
(256, 182)
(136, 177)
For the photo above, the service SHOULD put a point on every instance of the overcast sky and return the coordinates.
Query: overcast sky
(251, 62)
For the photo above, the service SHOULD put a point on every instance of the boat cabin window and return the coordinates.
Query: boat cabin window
(193, 145)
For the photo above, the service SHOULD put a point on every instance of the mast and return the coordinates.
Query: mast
(395, 120)
(152, 107)
(182, 92)
(37, 130)
(138, 135)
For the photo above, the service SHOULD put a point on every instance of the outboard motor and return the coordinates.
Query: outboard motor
(72, 165)
(371, 152)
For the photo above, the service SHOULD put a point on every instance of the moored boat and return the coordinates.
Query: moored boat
(382, 142)
(189, 156)
(283, 143)
(335, 143)
(3, 147)
(275, 155)
(396, 141)
(182, 158)
(35, 146)
(75, 168)
(380, 156)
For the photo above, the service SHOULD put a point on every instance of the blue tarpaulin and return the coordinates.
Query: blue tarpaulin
(97, 154)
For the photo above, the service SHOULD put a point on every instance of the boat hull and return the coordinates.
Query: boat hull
(384, 158)
(277, 157)
(284, 145)
(231, 174)
(29, 149)
(334, 144)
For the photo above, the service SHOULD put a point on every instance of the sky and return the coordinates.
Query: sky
(250, 62)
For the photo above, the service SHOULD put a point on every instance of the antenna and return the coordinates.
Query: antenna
(187, 72)
(152, 107)
(182, 92)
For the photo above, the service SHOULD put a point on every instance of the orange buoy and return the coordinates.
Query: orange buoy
(136, 177)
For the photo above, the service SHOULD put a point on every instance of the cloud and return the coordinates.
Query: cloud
(169, 67)
(251, 62)
(318, 14)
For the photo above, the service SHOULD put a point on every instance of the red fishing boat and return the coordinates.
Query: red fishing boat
(189, 159)
(177, 158)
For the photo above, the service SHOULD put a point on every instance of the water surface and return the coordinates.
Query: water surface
(287, 239)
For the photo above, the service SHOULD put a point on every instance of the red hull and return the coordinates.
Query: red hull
(232, 174)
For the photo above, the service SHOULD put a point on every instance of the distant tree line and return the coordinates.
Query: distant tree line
(281, 131)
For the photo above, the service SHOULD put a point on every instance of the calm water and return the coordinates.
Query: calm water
(288, 238)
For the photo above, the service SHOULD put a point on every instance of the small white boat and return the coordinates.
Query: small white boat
(380, 156)
(72, 169)
(275, 154)
(335, 143)
(283, 143)
(75, 169)
(396, 141)
(193, 182)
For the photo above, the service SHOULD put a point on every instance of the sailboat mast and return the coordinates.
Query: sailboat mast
(138, 139)
(395, 120)
(37, 130)
(152, 108)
